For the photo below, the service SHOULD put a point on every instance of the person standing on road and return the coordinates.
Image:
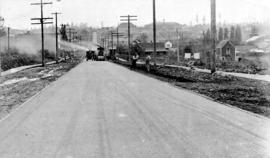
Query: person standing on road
(88, 55)
(134, 61)
(92, 55)
(147, 62)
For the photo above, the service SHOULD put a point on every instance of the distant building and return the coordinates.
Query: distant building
(168, 45)
(95, 37)
(148, 48)
(225, 51)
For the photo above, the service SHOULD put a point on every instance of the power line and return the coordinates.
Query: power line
(42, 22)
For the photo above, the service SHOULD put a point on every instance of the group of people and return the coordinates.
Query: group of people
(135, 58)
(90, 55)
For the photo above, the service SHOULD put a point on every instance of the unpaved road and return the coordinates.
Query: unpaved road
(102, 110)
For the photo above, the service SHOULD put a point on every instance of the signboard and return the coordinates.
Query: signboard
(168, 45)
(187, 55)
(196, 55)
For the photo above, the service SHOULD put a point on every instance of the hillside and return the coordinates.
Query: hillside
(165, 31)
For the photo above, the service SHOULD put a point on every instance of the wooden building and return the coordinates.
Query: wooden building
(225, 51)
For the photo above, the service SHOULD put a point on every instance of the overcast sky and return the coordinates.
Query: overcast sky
(17, 13)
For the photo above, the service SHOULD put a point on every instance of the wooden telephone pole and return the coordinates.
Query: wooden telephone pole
(107, 34)
(2, 20)
(112, 40)
(178, 45)
(8, 39)
(213, 35)
(118, 35)
(70, 32)
(56, 35)
(129, 18)
(42, 22)
(154, 31)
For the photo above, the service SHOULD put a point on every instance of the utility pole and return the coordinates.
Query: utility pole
(178, 49)
(56, 35)
(2, 20)
(154, 31)
(8, 39)
(42, 22)
(112, 39)
(213, 35)
(73, 35)
(117, 34)
(103, 42)
(117, 39)
(70, 32)
(129, 18)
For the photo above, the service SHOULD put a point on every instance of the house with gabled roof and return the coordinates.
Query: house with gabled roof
(225, 51)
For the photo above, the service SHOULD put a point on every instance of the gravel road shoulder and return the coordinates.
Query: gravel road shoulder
(17, 88)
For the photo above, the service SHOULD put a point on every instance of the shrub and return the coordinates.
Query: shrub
(14, 59)
(48, 55)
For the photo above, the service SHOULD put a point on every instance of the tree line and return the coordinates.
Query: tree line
(234, 34)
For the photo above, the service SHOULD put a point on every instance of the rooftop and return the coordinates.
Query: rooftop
(222, 43)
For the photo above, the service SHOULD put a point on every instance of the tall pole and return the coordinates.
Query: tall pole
(112, 40)
(128, 19)
(42, 34)
(1, 25)
(56, 36)
(154, 30)
(178, 49)
(70, 32)
(42, 22)
(102, 41)
(129, 56)
(117, 34)
(8, 39)
(73, 36)
(213, 35)
(117, 39)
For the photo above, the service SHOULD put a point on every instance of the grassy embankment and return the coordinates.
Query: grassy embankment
(247, 94)
(17, 88)
(14, 58)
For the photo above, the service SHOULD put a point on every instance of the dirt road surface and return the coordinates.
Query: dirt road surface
(102, 110)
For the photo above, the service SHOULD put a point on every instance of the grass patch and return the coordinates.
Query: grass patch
(246, 94)
(14, 58)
